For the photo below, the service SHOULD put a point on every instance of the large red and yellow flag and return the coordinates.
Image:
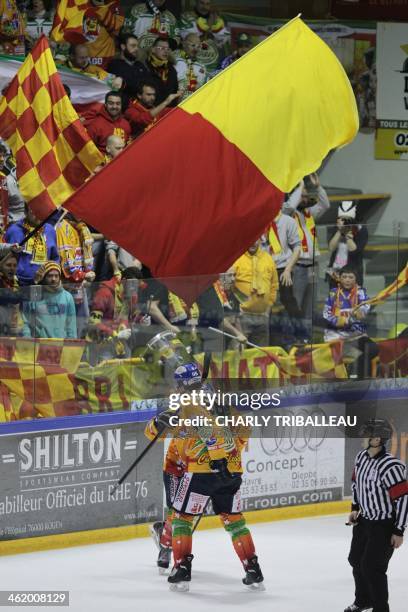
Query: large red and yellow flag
(201, 186)
(53, 151)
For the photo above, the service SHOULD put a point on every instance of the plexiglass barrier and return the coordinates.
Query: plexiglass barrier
(72, 349)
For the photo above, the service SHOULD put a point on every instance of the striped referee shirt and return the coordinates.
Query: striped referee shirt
(380, 489)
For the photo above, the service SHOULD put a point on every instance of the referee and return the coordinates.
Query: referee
(379, 515)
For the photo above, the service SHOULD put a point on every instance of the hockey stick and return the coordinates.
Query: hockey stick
(200, 516)
(136, 461)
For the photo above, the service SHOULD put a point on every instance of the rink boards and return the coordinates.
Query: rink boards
(57, 474)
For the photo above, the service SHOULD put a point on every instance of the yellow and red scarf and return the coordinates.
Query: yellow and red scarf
(310, 225)
(75, 249)
(36, 246)
(161, 67)
(273, 237)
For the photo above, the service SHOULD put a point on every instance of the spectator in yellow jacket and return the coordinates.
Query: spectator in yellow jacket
(256, 286)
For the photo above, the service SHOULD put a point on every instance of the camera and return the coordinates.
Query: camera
(311, 188)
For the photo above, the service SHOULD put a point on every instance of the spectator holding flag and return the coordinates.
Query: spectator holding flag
(38, 250)
(143, 112)
(345, 312)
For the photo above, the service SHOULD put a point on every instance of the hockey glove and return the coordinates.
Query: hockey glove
(221, 466)
(162, 421)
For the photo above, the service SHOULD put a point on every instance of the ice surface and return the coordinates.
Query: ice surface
(304, 563)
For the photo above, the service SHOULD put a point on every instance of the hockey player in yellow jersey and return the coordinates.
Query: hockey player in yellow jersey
(212, 458)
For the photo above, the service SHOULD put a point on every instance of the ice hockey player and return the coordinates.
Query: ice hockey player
(379, 515)
(213, 472)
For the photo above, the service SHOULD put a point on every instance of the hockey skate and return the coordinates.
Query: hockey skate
(163, 560)
(253, 578)
(180, 575)
(354, 608)
(156, 531)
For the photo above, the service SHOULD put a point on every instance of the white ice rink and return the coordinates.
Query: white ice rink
(303, 561)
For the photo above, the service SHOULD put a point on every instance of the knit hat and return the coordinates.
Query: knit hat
(347, 209)
(51, 265)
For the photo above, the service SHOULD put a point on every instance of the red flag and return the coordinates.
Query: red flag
(192, 194)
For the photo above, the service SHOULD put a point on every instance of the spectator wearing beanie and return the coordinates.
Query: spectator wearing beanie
(53, 315)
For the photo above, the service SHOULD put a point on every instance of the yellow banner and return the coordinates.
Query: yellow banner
(391, 143)
(116, 384)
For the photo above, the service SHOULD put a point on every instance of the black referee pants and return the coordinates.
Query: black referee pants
(369, 556)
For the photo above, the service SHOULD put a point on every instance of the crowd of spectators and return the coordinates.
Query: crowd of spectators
(69, 281)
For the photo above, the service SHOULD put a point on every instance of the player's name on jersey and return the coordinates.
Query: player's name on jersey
(249, 420)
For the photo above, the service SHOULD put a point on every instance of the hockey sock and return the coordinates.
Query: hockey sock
(166, 535)
(182, 536)
(241, 536)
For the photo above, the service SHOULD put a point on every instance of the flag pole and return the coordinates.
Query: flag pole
(247, 342)
(35, 231)
(39, 227)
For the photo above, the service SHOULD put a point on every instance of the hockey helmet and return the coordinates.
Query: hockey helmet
(376, 428)
(187, 375)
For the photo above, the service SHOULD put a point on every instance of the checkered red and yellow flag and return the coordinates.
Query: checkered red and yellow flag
(68, 20)
(37, 377)
(53, 151)
(45, 391)
(62, 352)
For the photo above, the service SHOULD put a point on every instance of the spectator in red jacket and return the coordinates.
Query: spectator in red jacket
(143, 112)
(109, 121)
(114, 313)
